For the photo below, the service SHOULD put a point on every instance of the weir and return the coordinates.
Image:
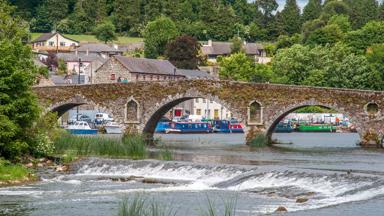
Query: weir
(258, 107)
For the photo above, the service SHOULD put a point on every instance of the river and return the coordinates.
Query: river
(337, 176)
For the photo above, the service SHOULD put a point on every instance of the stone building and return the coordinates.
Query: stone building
(129, 69)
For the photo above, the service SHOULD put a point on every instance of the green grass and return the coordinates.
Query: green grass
(71, 146)
(259, 141)
(141, 206)
(92, 38)
(165, 154)
(13, 172)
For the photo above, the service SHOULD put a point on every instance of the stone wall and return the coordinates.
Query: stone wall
(112, 66)
(156, 98)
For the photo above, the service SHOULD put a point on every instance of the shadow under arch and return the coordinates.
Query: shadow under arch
(281, 116)
(167, 104)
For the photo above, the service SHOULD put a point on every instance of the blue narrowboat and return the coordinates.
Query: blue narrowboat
(189, 127)
(283, 127)
(225, 126)
(161, 126)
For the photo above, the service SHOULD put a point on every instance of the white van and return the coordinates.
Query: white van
(103, 118)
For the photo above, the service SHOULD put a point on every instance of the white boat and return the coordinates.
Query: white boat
(81, 127)
(113, 128)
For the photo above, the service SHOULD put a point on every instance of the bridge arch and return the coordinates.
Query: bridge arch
(276, 118)
(155, 113)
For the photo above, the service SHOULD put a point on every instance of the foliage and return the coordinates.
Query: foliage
(328, 66)
(183, 52)
(156, 36)
(237, 45)
(140, 206)
(260, 140)
(51, 61)
(290, 17)
(239, 66)
(362, 11)
(314, 109)
(284, 41)
(165, 154)
(105, 32)
(13, 172)
(62, 67)
(329, 34)
(361, 39)
(312, 10)
(18, 106)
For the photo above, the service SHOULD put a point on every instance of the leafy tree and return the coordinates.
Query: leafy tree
(62, 67)
(342, 21)
(237, 45)
(290, 17)
(51, 61)
(267, 7)
(335, 7)
(105, 32)
(284, 41)
(312, 10)
(239, 66)
(371, 33)
(183, 52)
(375, 55)
(156, 36)
(362, 11)
(256, 33)
(126, 14)
(329, 34)
(18, 105)
(49, 13)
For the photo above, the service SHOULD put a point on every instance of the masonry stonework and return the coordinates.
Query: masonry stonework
(112, 66)
(276, 101)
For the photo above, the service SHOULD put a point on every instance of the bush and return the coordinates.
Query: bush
(260, 140)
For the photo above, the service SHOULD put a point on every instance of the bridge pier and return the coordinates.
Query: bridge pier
(252, 132)
(372, 138)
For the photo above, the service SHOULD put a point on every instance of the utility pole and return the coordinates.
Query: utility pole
(78, 82)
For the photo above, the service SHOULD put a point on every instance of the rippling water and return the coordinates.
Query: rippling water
(337, 177)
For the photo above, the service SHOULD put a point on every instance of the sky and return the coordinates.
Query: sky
(301, 3)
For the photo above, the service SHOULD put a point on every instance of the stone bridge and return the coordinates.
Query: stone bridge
(259, 107)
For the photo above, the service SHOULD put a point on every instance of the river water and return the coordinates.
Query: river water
(330, 170)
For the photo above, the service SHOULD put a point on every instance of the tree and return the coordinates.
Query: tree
(237, 45)
(362, 11)
(375, 56)
(290, 17)
(312, 10)
(18, 105)
(105, 32)
(62, 67)
(239, 66)
(49, 13)
(267, 7)
(371, 33)
(183, 52)
(335, 7)
(156, 36)
(256, 33)
(126, 14)
(51, 61)
(329, 34)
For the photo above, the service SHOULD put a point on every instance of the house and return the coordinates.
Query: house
(88, 65)
(129, 69)
(214, 49)
(54, 42)
(100, 49)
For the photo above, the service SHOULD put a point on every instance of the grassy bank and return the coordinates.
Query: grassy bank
(71, 146)
(11, 174)
(92, 38)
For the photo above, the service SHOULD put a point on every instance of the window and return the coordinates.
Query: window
(113, 76)
(62, 44)
(137, 76)
(198, 111)
(143, 77)
(51, 43)
(216, 114)
(197, 100)
(132, 111)
(204, 100)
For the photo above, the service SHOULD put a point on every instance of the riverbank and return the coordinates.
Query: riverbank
(15, 174)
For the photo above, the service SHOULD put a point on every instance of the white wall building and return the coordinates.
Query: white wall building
(210, 109)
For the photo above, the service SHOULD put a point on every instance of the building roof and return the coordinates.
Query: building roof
(73, 57)
(194, 74)
(143, 65)
(224, 48)
(47, 36)
(96, 47)
(130, 47)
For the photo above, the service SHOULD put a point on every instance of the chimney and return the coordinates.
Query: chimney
(209, 42)
(116, 46)
(87, 51)
(76, 52)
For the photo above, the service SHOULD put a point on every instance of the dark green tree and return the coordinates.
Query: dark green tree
(362, 11)
(156, 36)
(267, 7)
(18, 105)
(312, 10)
(361, 39)
(183, 52)
(105, 32)
(237, 45)
(48, 14)
(290, 17)
(126, 14)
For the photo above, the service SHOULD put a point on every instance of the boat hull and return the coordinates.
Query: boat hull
(82, 131)
(317, 128)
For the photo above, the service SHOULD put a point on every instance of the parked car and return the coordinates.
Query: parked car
(79, 117)
(102, 118)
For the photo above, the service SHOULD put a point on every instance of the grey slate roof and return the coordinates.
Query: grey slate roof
(143, 65)
(224, 48)
(96, 47)
(130, 47)
(44, 37)
(72, 57)
(194, 74)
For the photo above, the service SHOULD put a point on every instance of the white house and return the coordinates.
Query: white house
(54, 42)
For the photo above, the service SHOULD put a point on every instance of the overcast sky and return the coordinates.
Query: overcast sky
(301, 3)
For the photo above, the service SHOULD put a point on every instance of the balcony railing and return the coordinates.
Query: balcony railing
(53, 48)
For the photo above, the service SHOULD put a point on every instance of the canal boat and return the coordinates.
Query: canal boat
(113, 128)
(284, 127)
(317, 128)
(161, 126)
(225, 126)
(80, 128)
(189, 127)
